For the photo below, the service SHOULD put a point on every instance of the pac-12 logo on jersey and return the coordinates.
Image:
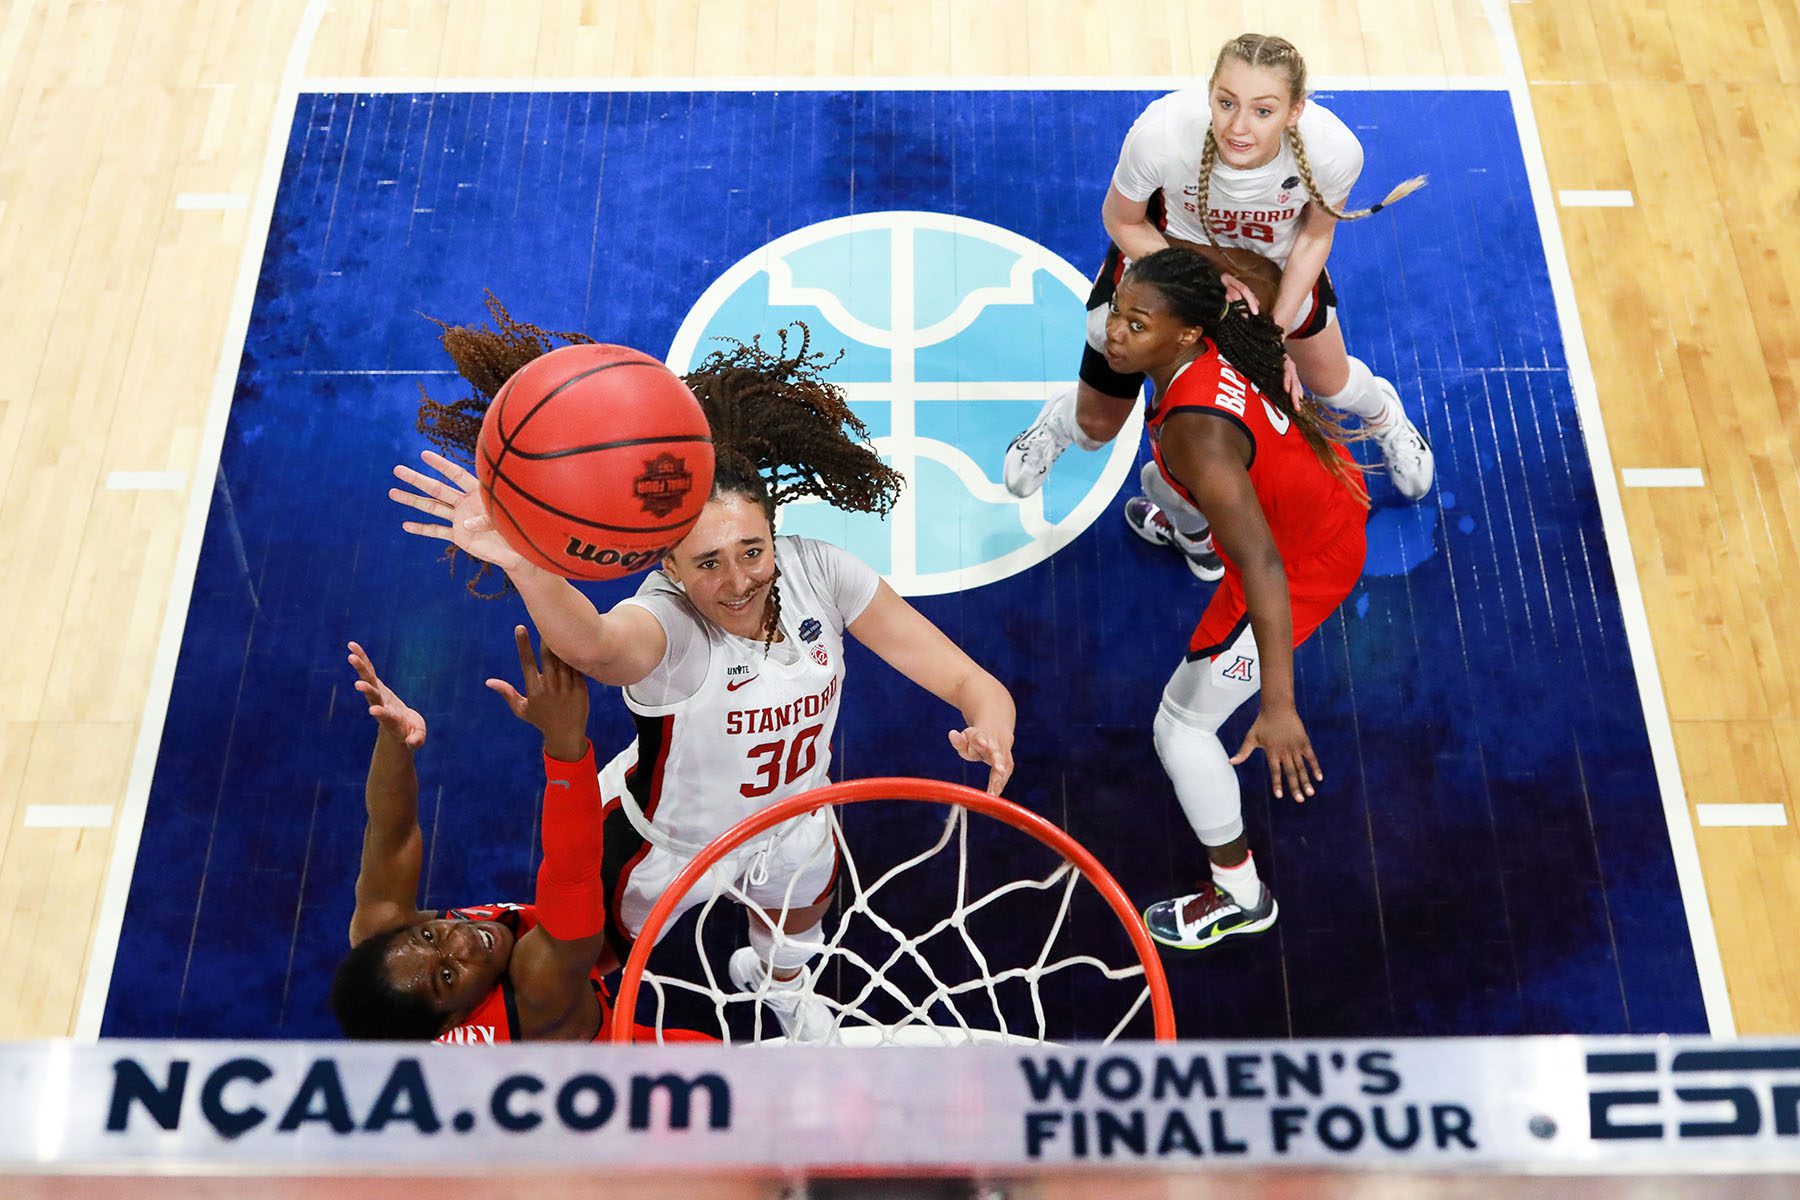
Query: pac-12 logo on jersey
(1243, 668)
(820, 657)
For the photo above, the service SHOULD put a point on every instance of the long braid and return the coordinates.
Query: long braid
(1280, 56)
(1404, 188)
(1209, 154)
(1251, 343)
(780, 429)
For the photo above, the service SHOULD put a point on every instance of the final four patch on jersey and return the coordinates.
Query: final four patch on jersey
(1290, 183)
(810, 629)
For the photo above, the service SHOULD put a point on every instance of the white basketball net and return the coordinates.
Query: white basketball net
(958, 991)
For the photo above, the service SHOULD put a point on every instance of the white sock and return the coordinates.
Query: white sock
(1188, 522)
(1362, 396)
(1240, 882)
(788, 952)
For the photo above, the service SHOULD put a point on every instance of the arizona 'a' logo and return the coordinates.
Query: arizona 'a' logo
(666, 481)
(1244, 668)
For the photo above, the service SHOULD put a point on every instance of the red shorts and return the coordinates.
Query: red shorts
(1316, 586)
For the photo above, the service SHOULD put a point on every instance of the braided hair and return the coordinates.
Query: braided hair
(780, 430)
(1280, 56)
(1251, 343)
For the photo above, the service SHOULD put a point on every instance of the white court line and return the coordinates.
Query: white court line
(145, 481)
(1580, 198)
(1663, 477)
(111, 916)
(866, 83)
(210, 201)
(1741, 814)
(68, 816)
(1618, 544)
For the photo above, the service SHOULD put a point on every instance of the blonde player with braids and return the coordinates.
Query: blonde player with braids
(731, 655)
(1245, 163)
(1288, 508)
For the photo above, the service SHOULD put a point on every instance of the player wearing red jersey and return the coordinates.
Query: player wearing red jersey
(497, 972)
(1287, 509)
(1259, 175)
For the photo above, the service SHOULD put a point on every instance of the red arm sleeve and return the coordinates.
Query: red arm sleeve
(571, 901)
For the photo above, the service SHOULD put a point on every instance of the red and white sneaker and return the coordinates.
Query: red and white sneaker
(1152, 524)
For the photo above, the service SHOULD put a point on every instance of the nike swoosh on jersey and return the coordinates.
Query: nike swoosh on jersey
(735, 684)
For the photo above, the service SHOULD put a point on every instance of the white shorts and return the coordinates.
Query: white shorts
(790, 867)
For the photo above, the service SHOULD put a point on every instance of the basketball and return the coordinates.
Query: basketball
(594, 460)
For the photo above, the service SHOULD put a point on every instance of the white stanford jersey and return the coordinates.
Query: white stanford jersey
(1257, 209)
(757, 730)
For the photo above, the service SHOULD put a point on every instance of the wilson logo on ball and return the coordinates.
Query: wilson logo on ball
(665, 483)
(606, 556)
(594, 460)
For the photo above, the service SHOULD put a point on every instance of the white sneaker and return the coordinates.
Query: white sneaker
(1404, 450)
(1033, 452)
(804, 1017)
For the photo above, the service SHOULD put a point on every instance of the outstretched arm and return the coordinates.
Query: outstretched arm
(550, 965)
(912, 645)
(616, 648)
(1128, 224)
(1312, 246)
(1211, 454)
(387, 883)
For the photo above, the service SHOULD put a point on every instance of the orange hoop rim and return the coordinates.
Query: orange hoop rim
(933, 791)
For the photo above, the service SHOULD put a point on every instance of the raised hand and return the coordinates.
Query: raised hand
(457, 504)
(555, 700)
(1236, 290)
(987, 746)
(392, 713)
(1282, 738)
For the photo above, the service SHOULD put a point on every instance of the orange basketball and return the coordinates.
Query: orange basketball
(594, 461)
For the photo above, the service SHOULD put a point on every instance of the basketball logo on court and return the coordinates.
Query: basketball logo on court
(953, 332)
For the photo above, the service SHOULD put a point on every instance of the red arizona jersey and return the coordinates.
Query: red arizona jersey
(1308, 506)
(496, 1018)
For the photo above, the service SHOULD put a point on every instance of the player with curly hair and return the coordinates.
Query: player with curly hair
(731, 655)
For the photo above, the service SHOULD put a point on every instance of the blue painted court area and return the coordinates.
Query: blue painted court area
(1488, 853)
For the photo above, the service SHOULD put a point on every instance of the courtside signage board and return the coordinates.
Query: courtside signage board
(1536, 1104)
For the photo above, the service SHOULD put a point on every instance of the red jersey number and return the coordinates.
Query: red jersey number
(782, 761)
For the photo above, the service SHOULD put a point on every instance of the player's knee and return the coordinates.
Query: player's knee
(1098, 415)
(1201, 771)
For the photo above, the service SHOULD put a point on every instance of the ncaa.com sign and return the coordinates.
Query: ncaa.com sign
(1538, 1104)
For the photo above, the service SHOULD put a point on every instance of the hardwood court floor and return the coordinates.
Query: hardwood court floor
(133, 144)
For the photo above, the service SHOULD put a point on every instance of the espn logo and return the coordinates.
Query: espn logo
(1748, 1091)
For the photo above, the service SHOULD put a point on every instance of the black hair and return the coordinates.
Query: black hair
(368, 1007)
(1250, 342)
